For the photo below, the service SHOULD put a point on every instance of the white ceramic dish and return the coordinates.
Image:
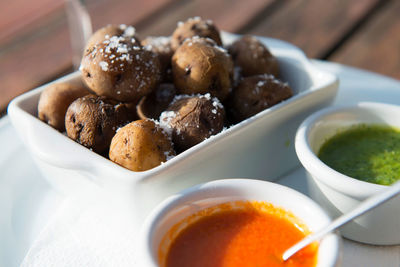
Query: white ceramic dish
(261, 146)
(195, 199)
(338, 193)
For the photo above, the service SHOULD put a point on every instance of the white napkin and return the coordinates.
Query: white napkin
(92, 233)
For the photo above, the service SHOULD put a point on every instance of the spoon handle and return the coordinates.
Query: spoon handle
(363, 207)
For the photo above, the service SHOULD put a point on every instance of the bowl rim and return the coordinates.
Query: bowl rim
(194, 193)
(322, 172)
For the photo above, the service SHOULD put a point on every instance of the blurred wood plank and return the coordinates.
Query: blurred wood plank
(45, 52)
(17, 16)
(377, 46)
(27, 66)
(228, 15)
(124, 11)
(313, 25)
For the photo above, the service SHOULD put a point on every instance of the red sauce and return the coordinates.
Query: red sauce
(255, 234)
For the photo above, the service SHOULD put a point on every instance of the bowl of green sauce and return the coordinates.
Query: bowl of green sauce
(351, 153)
(368, 152)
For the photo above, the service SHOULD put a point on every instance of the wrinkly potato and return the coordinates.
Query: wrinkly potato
(256, 93)
(192, 119)
(120, 70)
(54, 102)
(93, 120)
(195, 27)
(141, 145)
(200, 67)
(252, 57)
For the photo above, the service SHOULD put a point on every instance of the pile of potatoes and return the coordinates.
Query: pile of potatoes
(143, 101)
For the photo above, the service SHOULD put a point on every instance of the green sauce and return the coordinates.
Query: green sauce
(366, 152)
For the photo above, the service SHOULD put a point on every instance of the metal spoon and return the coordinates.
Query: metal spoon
(363, 207)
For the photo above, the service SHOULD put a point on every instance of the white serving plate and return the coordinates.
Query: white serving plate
(28, 203)
(259, 147)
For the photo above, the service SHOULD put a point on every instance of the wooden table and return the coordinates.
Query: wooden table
(35, 46)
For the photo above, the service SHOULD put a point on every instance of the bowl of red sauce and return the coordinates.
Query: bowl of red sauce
(235, 222)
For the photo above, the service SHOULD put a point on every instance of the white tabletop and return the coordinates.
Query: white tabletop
(27, 203)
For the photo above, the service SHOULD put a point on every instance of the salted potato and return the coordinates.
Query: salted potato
(119, 69)
(161, 46)
(195, 27)
(192, 119)
(54, 102)
(253, 57)
(199, 66)
(141, 145)
(108, 31)
(93, 120)
(256, 93)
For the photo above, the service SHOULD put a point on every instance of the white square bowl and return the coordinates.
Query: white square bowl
(260, 147)
(338, 193)
(176, 208)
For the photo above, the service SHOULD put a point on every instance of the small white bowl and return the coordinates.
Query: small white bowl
(339, 193)
(261, 146)
(192, 200)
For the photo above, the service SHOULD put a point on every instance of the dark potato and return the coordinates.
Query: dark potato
(200, 67)
(93, 120)
(141, 145)
(54, 102)
(161, 46)
(192, 119)
(120, 70)
(195, 27)
(256, 93)
(252, 57)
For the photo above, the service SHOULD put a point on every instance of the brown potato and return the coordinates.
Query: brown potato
(252, 57)
(54, 102)
(195, 27)
(200, 67)
(192, 119)
(93, 120)
(161, 46)
(256, 93)
(141, 145)
(109, 31)
(120, 70)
